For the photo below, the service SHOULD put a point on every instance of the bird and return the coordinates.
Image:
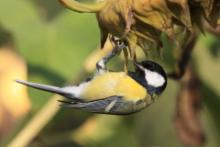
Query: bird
(113, 92)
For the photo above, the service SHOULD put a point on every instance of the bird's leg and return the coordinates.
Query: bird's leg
(101, 64)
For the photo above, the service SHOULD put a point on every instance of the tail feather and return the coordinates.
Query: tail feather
(48, 88)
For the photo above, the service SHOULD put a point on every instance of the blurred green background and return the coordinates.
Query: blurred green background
(55, 42)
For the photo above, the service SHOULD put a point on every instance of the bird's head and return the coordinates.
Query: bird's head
(152, 76)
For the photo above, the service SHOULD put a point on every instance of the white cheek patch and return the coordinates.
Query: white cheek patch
(154, 78)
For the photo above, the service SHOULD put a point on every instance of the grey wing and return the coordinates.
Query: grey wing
(110, 105)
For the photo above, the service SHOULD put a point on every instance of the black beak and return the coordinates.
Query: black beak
(137, 65)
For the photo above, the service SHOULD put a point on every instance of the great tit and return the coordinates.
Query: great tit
(109, 92)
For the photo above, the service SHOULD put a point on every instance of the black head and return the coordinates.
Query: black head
(152, 76)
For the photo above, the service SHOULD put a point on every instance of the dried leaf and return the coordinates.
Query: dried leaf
(13, 97)
(188, 106)
(13, 67)
(81, 8)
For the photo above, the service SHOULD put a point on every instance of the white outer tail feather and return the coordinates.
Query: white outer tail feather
(69, 92)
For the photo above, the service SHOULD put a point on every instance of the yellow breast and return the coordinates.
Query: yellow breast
(112, 84)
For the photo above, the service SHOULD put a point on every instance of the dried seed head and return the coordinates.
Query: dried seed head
(141, 22)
